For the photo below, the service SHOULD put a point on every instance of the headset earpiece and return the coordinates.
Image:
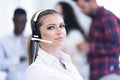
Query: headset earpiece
(35, 30)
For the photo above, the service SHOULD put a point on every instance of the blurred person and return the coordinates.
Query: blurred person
(75, 34)
(46, 60)
(12, 48)
(103, 46)
(69, 17)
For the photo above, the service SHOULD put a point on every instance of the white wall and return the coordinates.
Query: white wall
(112, 5)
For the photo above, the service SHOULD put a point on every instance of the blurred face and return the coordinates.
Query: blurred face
(19, 23)
(53, 29)
(85, 6)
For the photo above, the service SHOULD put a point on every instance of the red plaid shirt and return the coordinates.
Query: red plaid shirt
(104, 39)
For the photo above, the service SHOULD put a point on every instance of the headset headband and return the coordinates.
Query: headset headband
(35, 31)
(37, 14)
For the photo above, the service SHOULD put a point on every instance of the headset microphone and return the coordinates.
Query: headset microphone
(42, 40)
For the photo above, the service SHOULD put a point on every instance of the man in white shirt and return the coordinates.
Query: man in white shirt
(12, 49)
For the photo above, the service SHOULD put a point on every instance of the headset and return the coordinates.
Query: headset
(36, 36)
(35, 30)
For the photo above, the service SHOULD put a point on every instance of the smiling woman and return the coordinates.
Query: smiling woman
(53, 29)
(45, 59)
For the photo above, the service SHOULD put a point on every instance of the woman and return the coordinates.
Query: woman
(75, 35)
(69, 17)
(50, 63)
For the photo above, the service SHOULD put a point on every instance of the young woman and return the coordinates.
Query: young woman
(70, 17)
(46, 60)
(75, 36)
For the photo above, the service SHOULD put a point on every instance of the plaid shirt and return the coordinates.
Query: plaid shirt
(104, 39)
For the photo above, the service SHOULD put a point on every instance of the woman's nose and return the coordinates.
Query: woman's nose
(59, 31)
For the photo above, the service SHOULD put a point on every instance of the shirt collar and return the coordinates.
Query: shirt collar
(19, 36)
(64, 57)
(46, 57)
(49, 59)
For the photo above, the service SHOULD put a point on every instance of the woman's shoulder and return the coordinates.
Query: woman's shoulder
(34, 72)
(32, 67)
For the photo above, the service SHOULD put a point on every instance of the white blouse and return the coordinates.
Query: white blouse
(48, 67)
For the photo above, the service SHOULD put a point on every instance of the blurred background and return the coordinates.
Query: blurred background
(7, 8)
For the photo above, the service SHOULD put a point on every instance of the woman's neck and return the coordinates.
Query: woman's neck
(51, 50)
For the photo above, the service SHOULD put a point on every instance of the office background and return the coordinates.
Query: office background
(7, 8)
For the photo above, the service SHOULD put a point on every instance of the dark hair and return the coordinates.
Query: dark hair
(74, 0)
(32, 46)
(19, 11)
(85, 0)
(70, 18)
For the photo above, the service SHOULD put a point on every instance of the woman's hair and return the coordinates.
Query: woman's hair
(32, 46)
(32, 49)
(70, 18)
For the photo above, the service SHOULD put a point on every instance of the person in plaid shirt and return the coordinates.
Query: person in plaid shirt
(103, 44)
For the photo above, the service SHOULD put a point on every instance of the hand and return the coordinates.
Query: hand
(83, 47)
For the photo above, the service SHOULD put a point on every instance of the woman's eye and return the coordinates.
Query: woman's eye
(62, 26)
(50, 28)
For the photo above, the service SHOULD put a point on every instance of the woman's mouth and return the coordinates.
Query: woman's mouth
(59, 38)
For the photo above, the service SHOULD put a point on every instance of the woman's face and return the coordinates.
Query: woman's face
(53, 29)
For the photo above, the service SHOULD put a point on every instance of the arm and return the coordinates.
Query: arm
(6, 61)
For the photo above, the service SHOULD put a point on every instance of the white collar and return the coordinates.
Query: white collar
(49, 59)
